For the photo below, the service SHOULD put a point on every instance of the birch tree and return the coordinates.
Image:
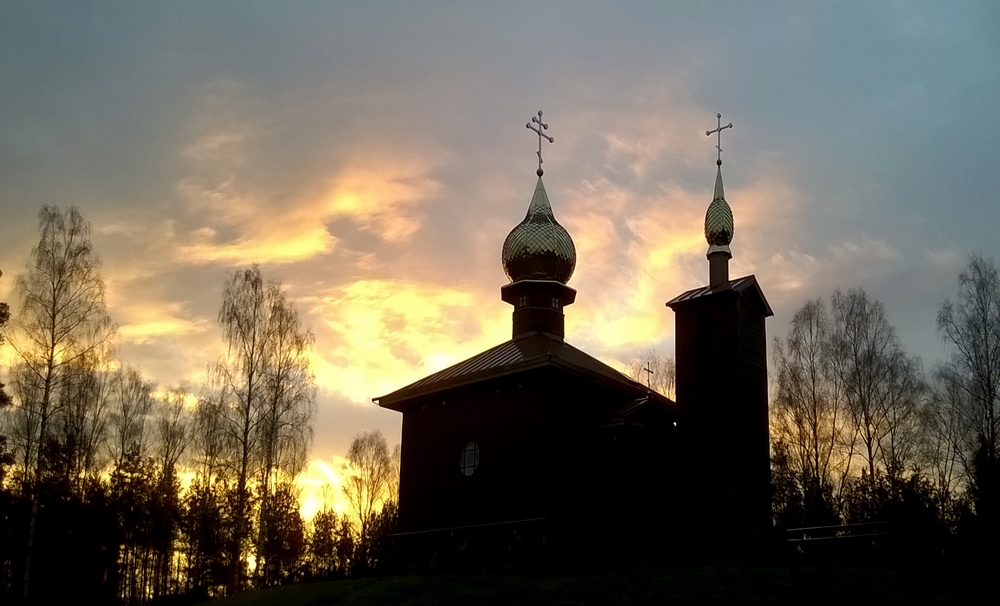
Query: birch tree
(267, 402)
(286, 418)
(241, 374)
(370, 479)
(807, 418)
(881, 387)
(970, 327)
(61, 320)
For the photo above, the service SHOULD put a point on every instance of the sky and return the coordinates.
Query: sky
(372, 157)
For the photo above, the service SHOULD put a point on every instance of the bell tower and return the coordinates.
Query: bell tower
(721, 385)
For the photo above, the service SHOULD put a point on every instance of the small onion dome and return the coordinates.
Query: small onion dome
(539, 248)
(719, 218)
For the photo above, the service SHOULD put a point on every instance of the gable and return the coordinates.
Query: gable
(534, 350)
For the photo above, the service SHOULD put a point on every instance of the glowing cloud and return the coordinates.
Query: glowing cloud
(382, 334)
(382, 194)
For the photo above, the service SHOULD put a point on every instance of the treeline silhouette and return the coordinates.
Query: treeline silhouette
(115, 491)
(860, 433)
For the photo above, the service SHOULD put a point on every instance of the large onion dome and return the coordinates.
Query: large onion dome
(719, 217)
(538, 248)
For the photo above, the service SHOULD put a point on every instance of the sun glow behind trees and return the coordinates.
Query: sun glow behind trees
(207, 485)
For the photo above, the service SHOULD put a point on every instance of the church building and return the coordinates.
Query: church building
(534, 448)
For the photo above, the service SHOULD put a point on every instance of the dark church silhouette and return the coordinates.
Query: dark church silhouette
(534, 448)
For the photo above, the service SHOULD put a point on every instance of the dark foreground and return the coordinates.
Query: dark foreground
(650, 585)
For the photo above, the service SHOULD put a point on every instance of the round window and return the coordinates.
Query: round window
(468, 460)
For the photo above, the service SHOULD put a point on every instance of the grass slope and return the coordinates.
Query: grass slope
(651, 585)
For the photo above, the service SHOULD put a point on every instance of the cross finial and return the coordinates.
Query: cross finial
(719, 130)
(541, 127)
(649, 375)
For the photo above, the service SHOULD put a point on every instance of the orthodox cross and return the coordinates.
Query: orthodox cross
(719, 131)
(541, 126)
(649, 376)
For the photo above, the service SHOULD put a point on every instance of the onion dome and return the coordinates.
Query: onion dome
(719, 218)
(539, 248)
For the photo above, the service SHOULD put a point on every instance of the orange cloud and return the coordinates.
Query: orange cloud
(381, 334)
(382, 194)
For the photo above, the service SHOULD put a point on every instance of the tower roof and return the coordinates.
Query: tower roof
(746, 286)
(538, 248)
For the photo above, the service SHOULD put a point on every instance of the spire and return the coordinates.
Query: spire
(720, 194)
(719, 227)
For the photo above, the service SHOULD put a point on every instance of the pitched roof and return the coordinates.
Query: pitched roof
(533, 350)
(746, 284)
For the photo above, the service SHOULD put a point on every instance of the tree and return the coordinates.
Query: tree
(970, 326)
(204, 527)
(4, 317)
(806, 419)
(266, 401)
(171, 429)
(284, 542)
(846, 394)
(61, 320)
(881, 388)
(286, 421)
(243, 318)
(369, 481)
(943, 445)
(6, 496)
(132, 403)
(208, 436)
(331, 545)
(83, 419)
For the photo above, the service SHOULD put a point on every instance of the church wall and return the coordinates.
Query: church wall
(505, 418)
(542, 455)
(756, 447)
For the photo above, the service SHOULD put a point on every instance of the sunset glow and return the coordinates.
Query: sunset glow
(374, 171)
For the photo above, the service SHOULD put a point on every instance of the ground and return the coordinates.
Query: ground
(650, 585)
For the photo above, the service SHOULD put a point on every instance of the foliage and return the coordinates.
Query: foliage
(369, 483)
(265, 405)
(331, 545)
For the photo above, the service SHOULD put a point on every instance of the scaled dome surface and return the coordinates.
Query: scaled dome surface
(538, 248)
(719, 217)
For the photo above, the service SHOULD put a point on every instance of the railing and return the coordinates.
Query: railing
(842, 531)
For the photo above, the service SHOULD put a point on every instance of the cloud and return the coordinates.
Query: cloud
(382, 334)
(383, 194)
(380, 192)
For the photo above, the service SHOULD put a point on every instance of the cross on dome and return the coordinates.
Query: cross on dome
(708, 133)
(541, 127)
